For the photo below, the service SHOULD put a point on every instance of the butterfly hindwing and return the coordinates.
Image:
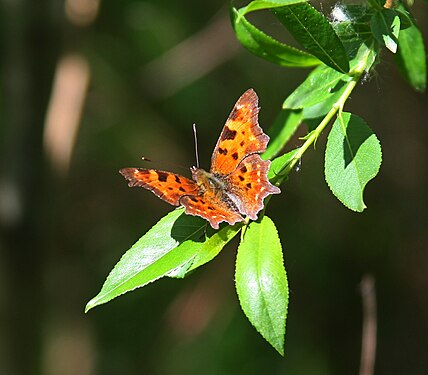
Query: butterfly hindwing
(168, 186)
(241, 135)
(249, 183)
(211, 209)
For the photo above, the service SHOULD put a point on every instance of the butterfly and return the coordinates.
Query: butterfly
(237, 182)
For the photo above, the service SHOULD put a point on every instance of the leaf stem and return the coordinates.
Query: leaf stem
(337, 107)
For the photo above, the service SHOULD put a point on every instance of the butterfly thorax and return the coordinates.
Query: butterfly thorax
(214, 185)
(208, 182)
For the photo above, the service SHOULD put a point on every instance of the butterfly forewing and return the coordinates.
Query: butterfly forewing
(241, 135)
(168, 186)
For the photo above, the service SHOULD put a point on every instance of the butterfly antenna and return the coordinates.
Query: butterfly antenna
(196, 145)
(146, 159)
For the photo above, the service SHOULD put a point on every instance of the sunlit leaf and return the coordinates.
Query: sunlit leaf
(268, 4)
(266, 47)
(153, 256)
(352, 158)
(313, 31)
(320, 85)
(261, 281)
(207, 248)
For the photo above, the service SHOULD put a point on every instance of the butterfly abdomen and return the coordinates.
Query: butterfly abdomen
(215, 185)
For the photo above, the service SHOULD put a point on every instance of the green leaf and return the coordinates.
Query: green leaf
(352, 158)
(262, 4)
(351, 23)
(268, 48)
(261, 281)
(153, 256)
(277, 171)
(281, 131)
(411, 58)
(313, 31)
(366, 54)
(206, 249)
(323, 88)
(322, 84)
(405, 17)
(386, 28)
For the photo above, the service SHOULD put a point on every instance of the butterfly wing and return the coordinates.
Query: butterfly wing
(241, 135)
(167, 186)
(211, 209)
(249, 185)
(178, 190)
(235, 162)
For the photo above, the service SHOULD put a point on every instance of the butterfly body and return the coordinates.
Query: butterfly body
(214, 186)
(237, 182)
(208, 181)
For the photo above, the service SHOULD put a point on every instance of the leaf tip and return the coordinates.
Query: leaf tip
(280, 349)
(91, 304)
(420, 88)
(88, 307)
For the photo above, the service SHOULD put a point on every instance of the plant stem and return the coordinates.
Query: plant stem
(337, 107)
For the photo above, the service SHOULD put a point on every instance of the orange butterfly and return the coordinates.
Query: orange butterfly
(237, 182)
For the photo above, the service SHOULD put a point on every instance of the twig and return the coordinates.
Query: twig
(368, 342)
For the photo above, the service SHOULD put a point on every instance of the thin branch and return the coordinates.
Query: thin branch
(368, 342)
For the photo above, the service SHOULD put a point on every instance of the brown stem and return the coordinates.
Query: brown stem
(368, 342)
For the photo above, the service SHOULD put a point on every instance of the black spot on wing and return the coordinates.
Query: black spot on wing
(228, 134)
(181, 189)
(222, 151)
(244, 169)
(177, 179)
(241, 178)
(235, 155)
(162, 176)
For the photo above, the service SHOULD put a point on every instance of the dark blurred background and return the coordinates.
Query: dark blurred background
(90, 86)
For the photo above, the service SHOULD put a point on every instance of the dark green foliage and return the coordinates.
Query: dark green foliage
(411, 57)
(344, 51)
(313, 31)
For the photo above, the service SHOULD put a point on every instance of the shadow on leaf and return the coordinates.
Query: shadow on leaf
(355, 136)
(187, 227)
